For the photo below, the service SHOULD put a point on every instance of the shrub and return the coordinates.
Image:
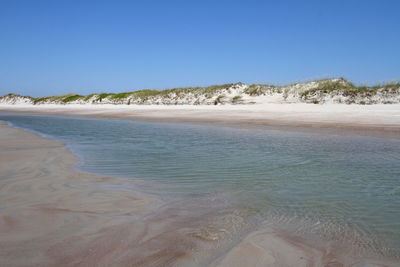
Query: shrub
(218, 100)
(236, 99)
(71, 98)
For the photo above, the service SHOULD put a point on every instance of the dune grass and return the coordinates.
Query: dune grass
(72, 98)
(346, 88)
(323, 87)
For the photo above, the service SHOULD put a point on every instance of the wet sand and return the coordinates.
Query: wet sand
(365, 120)
(53, 215)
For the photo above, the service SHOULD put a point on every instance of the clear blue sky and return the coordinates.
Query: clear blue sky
(57, 47)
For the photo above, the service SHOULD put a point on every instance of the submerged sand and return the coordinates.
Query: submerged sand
(53, 215)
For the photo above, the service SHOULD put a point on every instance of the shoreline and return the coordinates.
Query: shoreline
(53, 215)
(45, 202)
(382, 121)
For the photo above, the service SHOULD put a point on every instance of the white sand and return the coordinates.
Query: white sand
(372, 117)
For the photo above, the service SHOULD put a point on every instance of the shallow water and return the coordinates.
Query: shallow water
(343, 188)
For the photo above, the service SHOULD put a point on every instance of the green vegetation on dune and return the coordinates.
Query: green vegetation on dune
(72, 98)
(261, 89)
(48, 99)
(351, 92)
(219, 100)
(196, 90)
(57, 99)
(236, 99)
(120, 95)
(145, 93)
(100, 97)
(39, 99)
(346, 88)
(86, 98)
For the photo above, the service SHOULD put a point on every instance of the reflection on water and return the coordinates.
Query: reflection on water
(337, 187)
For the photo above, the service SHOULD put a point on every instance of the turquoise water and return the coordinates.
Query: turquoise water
(342, 188)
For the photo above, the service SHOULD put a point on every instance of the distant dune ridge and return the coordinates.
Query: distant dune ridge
(337, 90)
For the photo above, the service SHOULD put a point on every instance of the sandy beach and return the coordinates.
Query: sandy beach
(199, 133)
(53, 215)
(49, 213)
(370, 120)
